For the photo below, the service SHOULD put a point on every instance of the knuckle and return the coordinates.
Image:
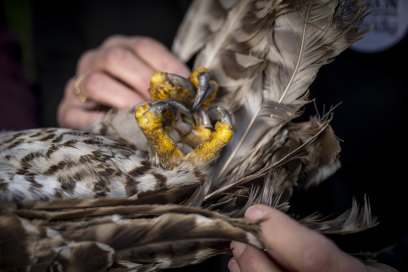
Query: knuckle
(85, 59)
(114, 55)
(113, 40)
(143, 44)
(92, 82)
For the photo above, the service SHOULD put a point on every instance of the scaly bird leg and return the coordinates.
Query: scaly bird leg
(150, 118)
(199, 140)
(166, 86)
(208, 150)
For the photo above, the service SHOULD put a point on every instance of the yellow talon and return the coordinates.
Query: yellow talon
(208, 101)
(166, 148)
(141, 110)
(158, 119)
(208, 150)
(193, 77)
(161, 88)
(197, 136)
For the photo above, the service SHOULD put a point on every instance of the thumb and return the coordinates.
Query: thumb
(302, 248)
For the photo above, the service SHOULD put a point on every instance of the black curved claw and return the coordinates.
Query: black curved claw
(204, 90)
(224, 115)
(204, 119)
(182, 82)
(160, 106)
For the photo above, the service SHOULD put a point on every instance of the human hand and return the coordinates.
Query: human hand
(291, 247)
(117, 75)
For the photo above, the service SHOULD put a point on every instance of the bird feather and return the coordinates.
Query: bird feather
(196, 29)
(141, 237)
(264, 55)
(303, 36)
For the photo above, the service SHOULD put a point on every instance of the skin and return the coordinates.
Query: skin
(117, 75)
(291, 247)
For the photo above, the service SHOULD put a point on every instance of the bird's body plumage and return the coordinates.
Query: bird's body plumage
(50, 164)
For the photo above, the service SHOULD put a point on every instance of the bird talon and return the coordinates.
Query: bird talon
(166, 86)
(160, 107)
(223, 114)
(206, 88)
(205, 140)
(150, 118)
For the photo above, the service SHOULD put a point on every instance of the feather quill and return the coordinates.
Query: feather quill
(304, 36)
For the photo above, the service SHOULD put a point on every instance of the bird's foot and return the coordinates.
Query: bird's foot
(166, 86)
(184, 133)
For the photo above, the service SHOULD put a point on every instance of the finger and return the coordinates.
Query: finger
(78, 118)
(102, 88)
(158, 56)
(86, 62)
(152, 52)
(233, 265)
(304, 249)
(251, 259)
(123, 64)
(74, 114)
(279, 260)
(110, 61)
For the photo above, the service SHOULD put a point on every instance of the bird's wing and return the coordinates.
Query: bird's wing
(264, 54)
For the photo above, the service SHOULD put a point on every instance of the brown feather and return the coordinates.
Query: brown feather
(264, 55)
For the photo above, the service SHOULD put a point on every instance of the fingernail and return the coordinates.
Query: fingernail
(237, 248)
(254, 213)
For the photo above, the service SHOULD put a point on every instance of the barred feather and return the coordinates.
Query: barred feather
(201, 23)
(264, 54)
(97, 235)
(304, 36)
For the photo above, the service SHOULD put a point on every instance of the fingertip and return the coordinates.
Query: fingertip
(233, 265)
(92, 118)
(237, 248)
(255, 212)
(79, 118)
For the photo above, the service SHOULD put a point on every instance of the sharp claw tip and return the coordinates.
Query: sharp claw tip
(195, 108)
(225, 117)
